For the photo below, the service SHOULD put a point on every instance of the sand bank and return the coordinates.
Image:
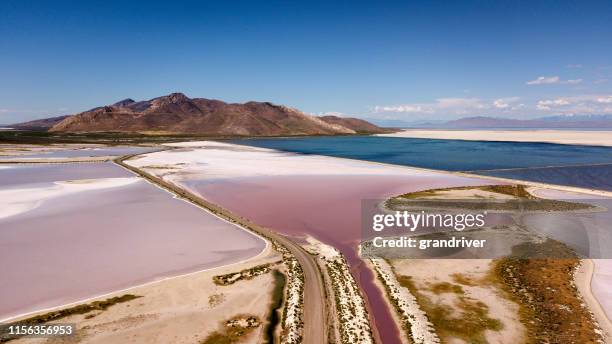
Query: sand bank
(183, 309)
(600, 284)
(569, 137)
(584, 280)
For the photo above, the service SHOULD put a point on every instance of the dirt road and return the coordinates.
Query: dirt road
(315, 322)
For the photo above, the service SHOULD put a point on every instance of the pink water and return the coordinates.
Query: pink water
(85, 244)
(326, 207)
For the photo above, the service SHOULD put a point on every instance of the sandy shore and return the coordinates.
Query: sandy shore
(183, 309)
(570, 137)
(583, 278)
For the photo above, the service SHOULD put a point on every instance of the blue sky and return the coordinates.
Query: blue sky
(404, 60)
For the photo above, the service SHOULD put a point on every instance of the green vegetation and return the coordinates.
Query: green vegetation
(79, 309)
(45, 137)
(464, 280)
(233, 331)
(274, 318)
(522, 200)
(245, 274)
(550, 306)
(517, 190)
(445, 287)
(467, 319)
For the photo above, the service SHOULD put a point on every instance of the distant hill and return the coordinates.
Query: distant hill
(356, 124)
(552, 122)
(178, 114)
(484, 122)
(400, 123)
(39, 124)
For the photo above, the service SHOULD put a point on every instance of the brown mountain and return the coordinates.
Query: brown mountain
(178, 114)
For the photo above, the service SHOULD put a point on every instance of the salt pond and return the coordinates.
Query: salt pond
(103, 231)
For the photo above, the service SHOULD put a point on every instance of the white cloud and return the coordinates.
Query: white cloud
(572, 81)
(600, 81)
(500, 104)
(505, 103)
(450, 108)
(547, 80)
(449, 103)
(441, 105)
(410, 108)
(605, 100)
(332, 113)
(548, 104)
(580, 105)
(541, 80)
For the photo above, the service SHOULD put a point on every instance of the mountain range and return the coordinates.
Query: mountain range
(178, 114)
(484, 122)
(551, 122)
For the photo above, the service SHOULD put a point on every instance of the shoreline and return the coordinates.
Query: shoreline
(185, 310)
(263, 253)
(574, 189)
(601, 138)
(583, 278)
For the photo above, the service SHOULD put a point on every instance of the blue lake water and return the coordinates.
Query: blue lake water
(570, 164)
